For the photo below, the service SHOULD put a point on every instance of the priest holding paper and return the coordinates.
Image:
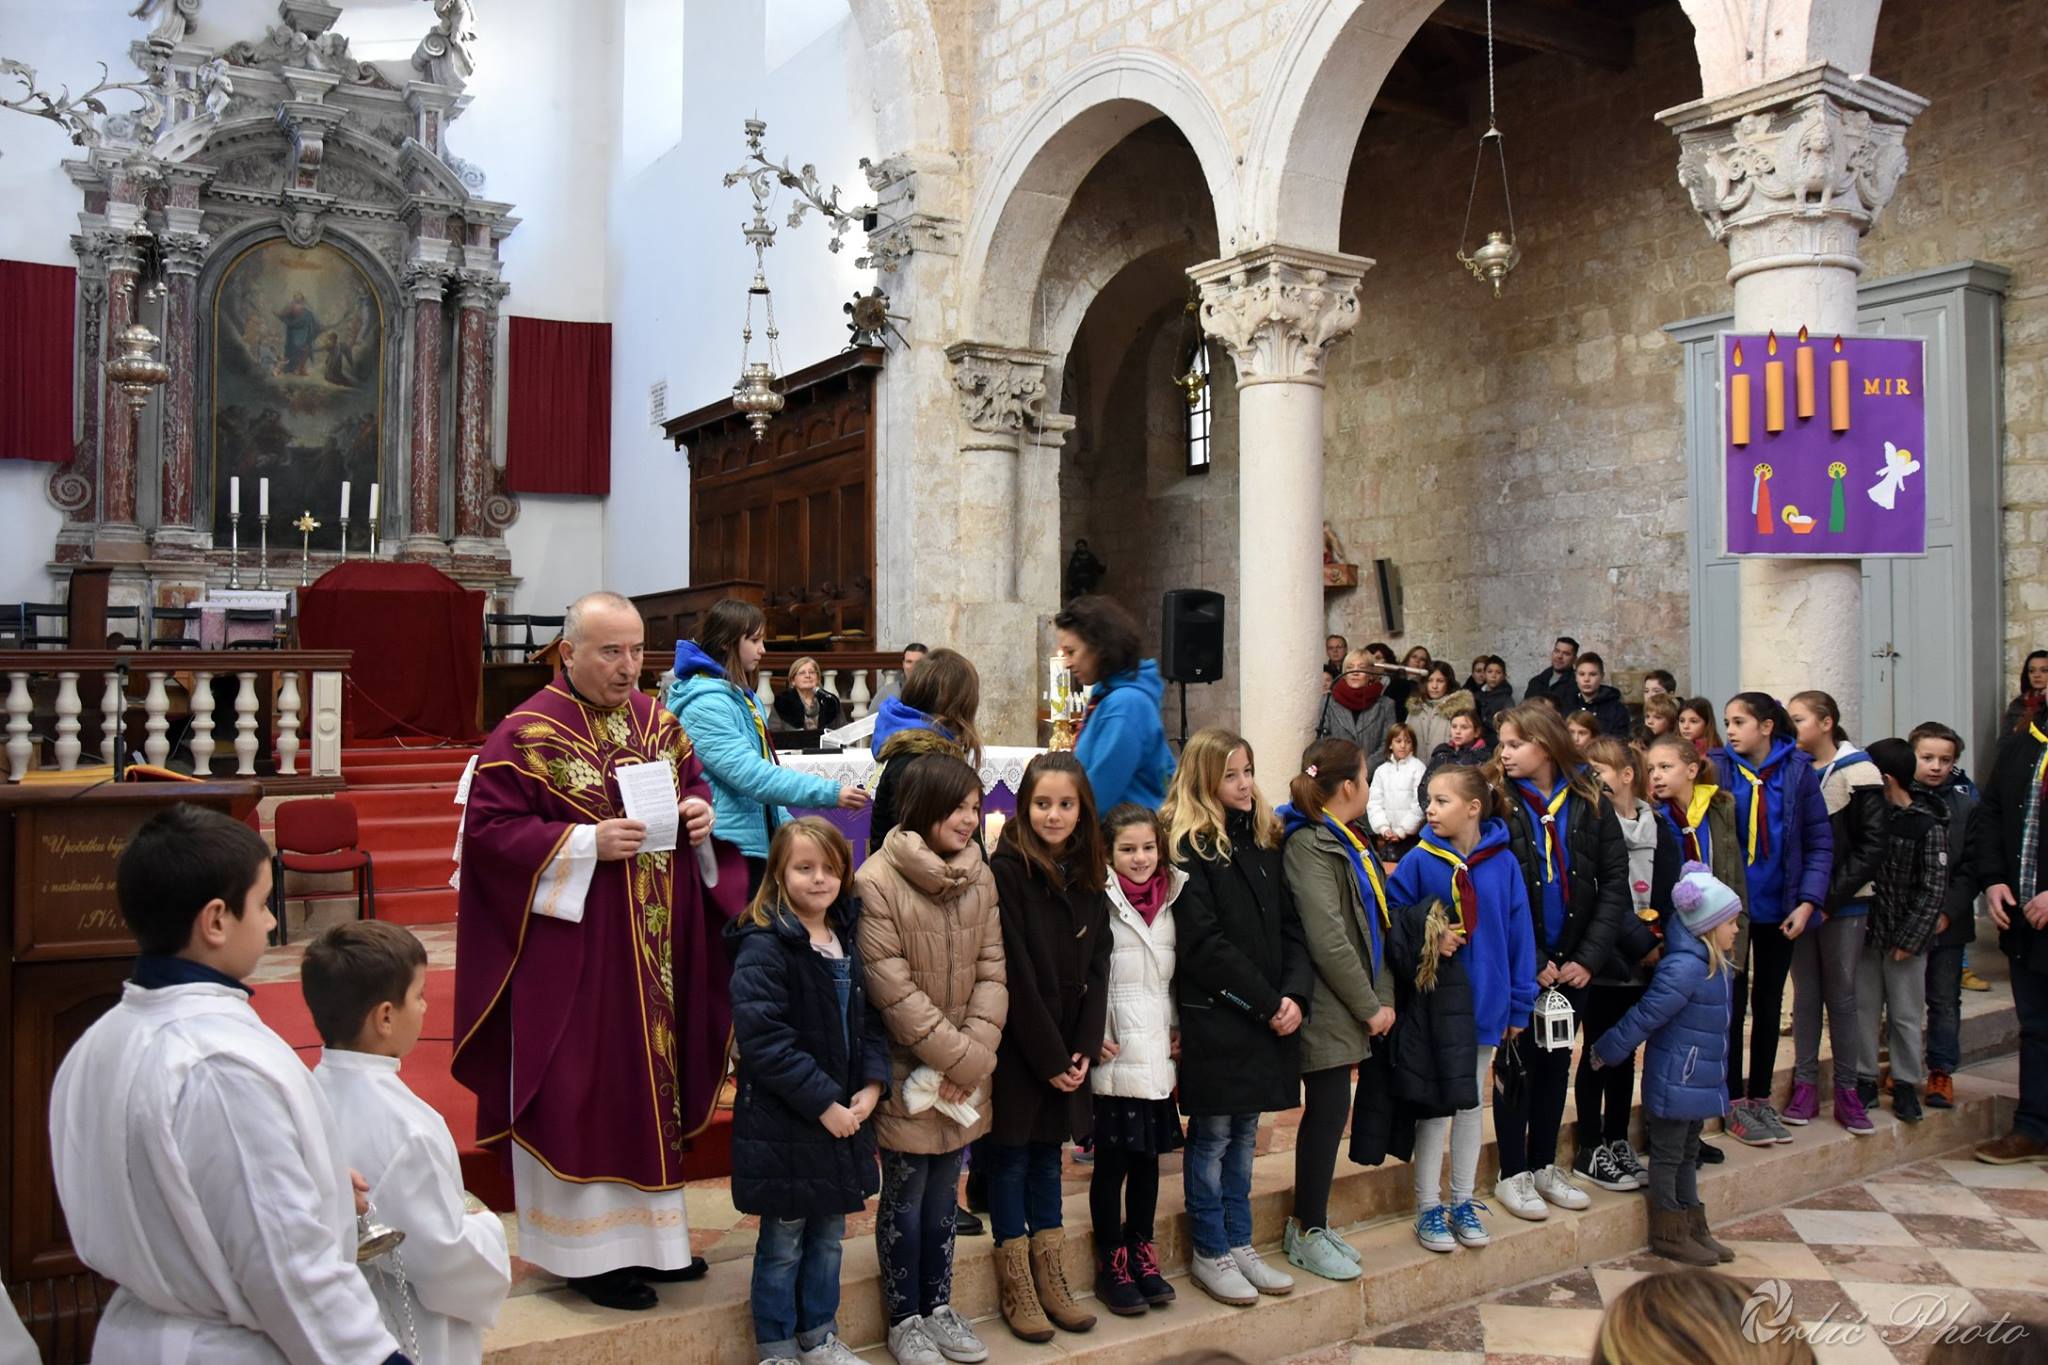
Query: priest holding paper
(590, 994)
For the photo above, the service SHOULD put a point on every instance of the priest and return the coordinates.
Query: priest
(590, 997)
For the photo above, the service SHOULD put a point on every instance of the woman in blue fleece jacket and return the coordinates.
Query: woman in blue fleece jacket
(1122, 744)
(713, 697)
(1789, 849)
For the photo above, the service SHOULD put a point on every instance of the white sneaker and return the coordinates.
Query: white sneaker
(1517, 1194)
(830, 1351)
(910, 1344)
(954, 1338)
(1556, 1186)
(1221, 1280)
(1262, 1277)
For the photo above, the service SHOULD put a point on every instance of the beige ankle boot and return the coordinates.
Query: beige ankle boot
(1019, 1298)
(1049, 1271)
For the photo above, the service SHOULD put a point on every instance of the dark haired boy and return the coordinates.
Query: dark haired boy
(190, 1144)
(1912, 894)
(365, 983)
(1937, 750)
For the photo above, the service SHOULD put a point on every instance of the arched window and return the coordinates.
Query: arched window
(1194, 385)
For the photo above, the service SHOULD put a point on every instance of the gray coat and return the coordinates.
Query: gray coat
(1367, 729)
(1333, 919)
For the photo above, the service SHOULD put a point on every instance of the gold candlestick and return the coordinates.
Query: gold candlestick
(306, 525)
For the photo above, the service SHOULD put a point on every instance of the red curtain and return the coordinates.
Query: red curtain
(558, 426)
(37, 303)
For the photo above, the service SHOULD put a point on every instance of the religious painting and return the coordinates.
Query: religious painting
(298, 362)
(1825, 440)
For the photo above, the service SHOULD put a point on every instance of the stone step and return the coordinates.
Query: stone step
(708, 1323)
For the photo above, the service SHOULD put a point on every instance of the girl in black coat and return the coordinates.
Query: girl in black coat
(1056, 947)
(813, 1063)
(1242, 979)
(1562, 830)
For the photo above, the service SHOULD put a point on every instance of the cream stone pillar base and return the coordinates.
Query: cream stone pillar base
(1790, 174)
(1278, 310)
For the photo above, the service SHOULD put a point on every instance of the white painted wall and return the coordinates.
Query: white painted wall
(680, 269)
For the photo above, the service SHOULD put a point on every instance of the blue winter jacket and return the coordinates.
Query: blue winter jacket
(749, 790)
(1500, 957)
(1801, 853)
(893, 717)
(1123, 744)
(1684, 1018)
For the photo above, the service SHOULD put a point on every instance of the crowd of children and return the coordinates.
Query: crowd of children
(1105, 976)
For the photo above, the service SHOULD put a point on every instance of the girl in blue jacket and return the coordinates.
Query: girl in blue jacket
(713, 696)
(1788, 849)
(1683, 1017)
(1464, 861)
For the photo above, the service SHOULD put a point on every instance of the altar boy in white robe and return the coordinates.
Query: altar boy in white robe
(366, 986)
(191, 1145)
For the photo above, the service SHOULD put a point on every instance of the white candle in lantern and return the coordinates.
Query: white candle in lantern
(373, 502)
(234, 494)
(344, 499)
(263, 497)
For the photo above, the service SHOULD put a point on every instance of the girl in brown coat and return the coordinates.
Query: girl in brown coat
(932, 945)
(1056, 949)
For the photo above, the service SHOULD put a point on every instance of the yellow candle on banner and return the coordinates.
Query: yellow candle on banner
(1838, 390)
(1802, 377)
(1738, 402)
(1774, 387)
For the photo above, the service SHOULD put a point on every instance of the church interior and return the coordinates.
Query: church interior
(345, 343)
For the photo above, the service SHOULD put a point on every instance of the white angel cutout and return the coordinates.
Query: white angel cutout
(1897, 465)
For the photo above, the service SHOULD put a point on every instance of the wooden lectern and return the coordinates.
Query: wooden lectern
(67, 954)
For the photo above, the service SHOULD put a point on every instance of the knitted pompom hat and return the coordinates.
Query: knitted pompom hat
(1703, 901)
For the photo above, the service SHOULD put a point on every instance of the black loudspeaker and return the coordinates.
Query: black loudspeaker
(1191, 635)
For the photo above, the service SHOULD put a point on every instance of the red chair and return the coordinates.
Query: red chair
(318, 835)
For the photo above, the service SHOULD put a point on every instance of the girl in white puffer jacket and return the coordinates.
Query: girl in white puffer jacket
(1135, 1118)
(1393, 806)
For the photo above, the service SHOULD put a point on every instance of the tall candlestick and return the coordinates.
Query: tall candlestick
(263, 554)
(1774, 387)
(1802, 372)
(234, 540)
(263, 497)
(234, 495)
(1838, 390)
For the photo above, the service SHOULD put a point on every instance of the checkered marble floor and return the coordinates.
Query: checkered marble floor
(1938, 1243)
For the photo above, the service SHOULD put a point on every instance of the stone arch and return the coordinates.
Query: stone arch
(903, 50)
(1024, 195)
(1330, 70)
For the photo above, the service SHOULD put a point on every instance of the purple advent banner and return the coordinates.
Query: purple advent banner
(1824, 443)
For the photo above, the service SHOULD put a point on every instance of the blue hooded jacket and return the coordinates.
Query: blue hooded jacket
(1684, 1018)
(749, 790)
(1123, 744)
(1500, 956)
(1801, 851)
(893, 717)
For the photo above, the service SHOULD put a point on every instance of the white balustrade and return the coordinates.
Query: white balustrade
(288, 725)
(156, 708)
(326, 761)
(202, 724)
(67, 746)
(764, 693)
(18, 748)
(112, 705)
(860, 697)
(245, 726)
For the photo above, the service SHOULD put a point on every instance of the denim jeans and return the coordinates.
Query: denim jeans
(796, 1284)
(1217, 1174)
(1023, 1189)
(1945, 1007)
(914, 1232)
(2030, 1000)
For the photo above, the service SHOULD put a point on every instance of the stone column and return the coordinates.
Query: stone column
(1278, 309)
(1790, 174)
(425, 282)
(180, 520)
(475, 337)
(117, 423)
(74, 485)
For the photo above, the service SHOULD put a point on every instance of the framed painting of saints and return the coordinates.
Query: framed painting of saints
(298, 361)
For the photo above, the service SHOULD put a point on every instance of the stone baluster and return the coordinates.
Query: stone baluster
(202, 724)
(288, 725)
(156, 707)
(245, 725)
(862, 700)
(764, 694)
(18, 706)
(67, 722)
(113, 707)
(326, 759)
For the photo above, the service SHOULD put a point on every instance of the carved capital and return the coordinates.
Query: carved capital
(426, 281)
(1001, 387)
(480, 289)
(1279, 309)
(1814, 145)
(183, 252)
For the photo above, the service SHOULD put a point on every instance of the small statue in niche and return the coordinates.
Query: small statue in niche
(1084, 571)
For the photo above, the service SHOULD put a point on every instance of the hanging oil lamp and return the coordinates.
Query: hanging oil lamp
(1195, 381)
(1499, 255)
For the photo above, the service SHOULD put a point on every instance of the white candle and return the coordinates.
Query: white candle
(263, 497)
(234, 494)
(373, 502)
(344, 499)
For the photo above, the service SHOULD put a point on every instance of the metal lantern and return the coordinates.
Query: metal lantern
(1552, 1021)
(1499, 254)
(755, 395)
(135, 370)
(1492, 262)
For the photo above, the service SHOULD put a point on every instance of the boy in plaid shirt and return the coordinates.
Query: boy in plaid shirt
(1912, 893)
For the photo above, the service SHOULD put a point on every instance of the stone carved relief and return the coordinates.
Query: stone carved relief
(282, 46)
(302, 227)
(1000, 389)
(1814, 158)
(443, 56)
(1279, 311)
